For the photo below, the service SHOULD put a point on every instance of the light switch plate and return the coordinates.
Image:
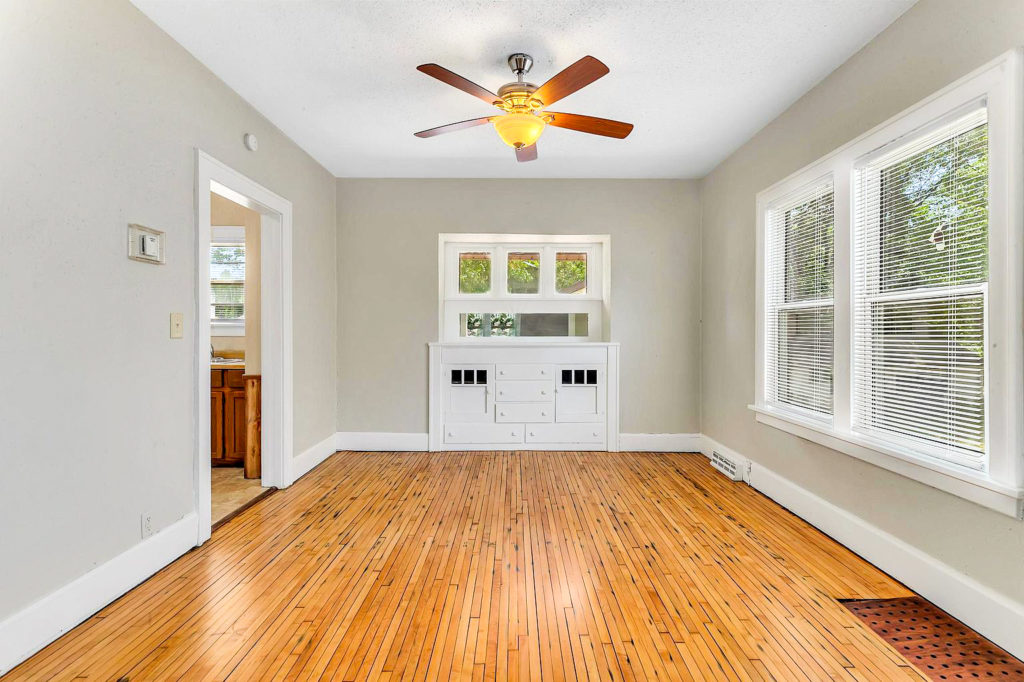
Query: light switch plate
(177, 325)
(145, 244)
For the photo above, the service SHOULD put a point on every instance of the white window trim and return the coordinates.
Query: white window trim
(227, 234)
(596, 302)
(1000, 84)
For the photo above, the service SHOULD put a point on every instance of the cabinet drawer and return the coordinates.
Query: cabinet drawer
(565, 433)
(216, 378)
(524, 391)
(233, 378)
(524, 412)
(526, 372)
(483, 433)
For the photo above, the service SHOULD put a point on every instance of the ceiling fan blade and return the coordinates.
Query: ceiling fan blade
(524, 154)
(570, 79)
(452, 127)
(590, 124)
(455, 80)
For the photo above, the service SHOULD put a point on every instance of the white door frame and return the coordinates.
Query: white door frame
(275, 327)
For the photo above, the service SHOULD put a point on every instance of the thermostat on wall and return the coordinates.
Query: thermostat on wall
(145, 244)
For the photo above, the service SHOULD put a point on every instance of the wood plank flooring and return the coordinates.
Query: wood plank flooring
(497, 566)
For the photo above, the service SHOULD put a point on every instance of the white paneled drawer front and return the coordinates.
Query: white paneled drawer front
(565, 433)
(524, 391)
(524, 412)
(483, 433)
(526, 372)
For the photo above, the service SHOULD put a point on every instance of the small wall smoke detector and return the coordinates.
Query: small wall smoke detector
(250, 141)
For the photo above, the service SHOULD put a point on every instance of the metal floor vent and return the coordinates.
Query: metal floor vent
(940, 646)
(727, 466)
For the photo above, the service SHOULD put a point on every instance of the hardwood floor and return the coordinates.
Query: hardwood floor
(497, 566)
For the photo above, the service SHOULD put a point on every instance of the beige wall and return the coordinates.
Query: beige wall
(101, 115)
(930, 46)
(226, 212)
(387, 283)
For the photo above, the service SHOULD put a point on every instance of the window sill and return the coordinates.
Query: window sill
(227, 328)
(970, 485)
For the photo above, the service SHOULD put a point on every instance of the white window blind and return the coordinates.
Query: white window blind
(799, 300)
(227, 282)
(920, 292)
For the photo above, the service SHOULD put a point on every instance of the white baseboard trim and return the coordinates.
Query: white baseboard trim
(369, 441)
(313, 456)
(38, 624)
(660, 442)
(992, 614)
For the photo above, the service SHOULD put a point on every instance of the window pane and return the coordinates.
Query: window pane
(808, 249)
(227, 263)
(926, 370)
(571, 273)
(921, 252)
(934, 215)
(523, 324)
(227, 301)
(227, 282)
(523, 273)
(474, 273)
(804, 364)
(798, 299)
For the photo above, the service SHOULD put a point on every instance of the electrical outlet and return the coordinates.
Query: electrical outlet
(147, 524)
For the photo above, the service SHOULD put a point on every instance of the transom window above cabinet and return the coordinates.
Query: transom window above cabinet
(533, 271)
(540, 287)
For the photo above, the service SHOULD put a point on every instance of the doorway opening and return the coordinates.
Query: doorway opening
(235, 380)
(243, 401)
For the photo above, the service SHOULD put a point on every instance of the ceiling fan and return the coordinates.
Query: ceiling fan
(523, 104)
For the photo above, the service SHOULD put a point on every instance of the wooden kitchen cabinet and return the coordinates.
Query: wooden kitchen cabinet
(234, 424)
(227, 417)
(216, 425)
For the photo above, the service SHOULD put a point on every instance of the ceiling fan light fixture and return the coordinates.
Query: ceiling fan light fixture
(524, 118)
(519, 130)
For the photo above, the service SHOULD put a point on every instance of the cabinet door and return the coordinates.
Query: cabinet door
(468, 393)
(216, 426)
(234, 425)
(581, 394)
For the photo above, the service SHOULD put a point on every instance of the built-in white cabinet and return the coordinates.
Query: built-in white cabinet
(537, 396)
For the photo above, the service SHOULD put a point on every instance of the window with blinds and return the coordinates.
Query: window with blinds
(920, 292)
(227, 282)
(799, 300)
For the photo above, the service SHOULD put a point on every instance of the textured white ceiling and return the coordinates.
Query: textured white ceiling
(696, 77)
